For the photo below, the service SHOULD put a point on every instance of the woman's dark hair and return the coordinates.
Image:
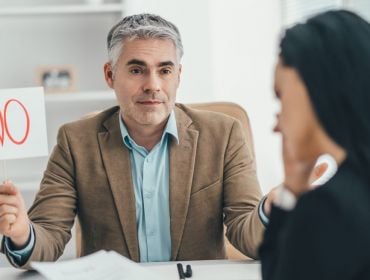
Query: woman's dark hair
(331, 53)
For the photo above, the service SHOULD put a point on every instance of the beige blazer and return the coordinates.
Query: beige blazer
(212, 181)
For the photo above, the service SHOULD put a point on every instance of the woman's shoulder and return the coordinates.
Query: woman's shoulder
(341, 207)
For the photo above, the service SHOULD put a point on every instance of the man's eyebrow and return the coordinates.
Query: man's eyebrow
(143, 63)
(166, 63)
(136, 62)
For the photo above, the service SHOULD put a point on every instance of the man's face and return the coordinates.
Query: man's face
(145, 80)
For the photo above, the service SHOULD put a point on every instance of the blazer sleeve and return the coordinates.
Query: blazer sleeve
(242, 195)
(54, 209)
(311, 242)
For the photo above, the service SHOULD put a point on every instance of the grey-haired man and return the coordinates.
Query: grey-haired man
(150, 179)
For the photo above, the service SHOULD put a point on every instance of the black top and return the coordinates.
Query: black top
(327, 235)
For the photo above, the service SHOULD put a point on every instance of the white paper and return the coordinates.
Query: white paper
(22, 123)
(100, 265)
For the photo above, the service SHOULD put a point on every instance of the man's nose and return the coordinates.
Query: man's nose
(152, 83)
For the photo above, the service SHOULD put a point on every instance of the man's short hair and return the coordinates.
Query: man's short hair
(141, 26)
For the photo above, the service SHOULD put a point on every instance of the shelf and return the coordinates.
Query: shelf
(62, 9)
(80, 96)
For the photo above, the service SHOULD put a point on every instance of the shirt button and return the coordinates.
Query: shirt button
(149, 195)
(149, 159)
(151, 233)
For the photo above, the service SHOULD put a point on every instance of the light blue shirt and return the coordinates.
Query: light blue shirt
(150, 174)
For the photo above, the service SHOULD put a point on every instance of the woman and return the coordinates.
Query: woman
(323, 82)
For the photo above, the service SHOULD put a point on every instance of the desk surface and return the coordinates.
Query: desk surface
(202, 270)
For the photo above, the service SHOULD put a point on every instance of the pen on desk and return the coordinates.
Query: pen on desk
(188, 272)
(181, 271)
(183, 275)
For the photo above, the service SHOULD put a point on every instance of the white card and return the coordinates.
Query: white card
(22, 123)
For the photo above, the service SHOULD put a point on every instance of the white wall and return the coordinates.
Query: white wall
(244, 46)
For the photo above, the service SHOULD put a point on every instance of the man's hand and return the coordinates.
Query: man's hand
(14, 222)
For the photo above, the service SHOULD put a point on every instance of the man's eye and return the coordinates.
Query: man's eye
(136, 71)
(166, 71)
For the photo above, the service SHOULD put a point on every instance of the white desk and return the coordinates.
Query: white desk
(202, 270)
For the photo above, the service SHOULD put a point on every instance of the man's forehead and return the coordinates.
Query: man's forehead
(149, 52)
(165, 46)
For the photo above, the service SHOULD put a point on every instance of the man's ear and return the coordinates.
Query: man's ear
(179, 75)
(108, 74)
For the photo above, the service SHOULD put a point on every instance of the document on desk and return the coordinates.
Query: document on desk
(100, 265)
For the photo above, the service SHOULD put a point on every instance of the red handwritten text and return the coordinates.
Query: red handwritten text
(4, 127)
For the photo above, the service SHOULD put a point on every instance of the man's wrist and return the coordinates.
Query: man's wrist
(20, 256)
(21, 242)
(261, 211)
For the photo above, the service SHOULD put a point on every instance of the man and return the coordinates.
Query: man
(149, 179)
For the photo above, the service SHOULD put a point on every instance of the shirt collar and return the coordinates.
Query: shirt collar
(171, 129)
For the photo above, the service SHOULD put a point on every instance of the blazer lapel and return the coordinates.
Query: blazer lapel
(117, 163)
(182, 159)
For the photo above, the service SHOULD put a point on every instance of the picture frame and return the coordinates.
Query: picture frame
(57, 78)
